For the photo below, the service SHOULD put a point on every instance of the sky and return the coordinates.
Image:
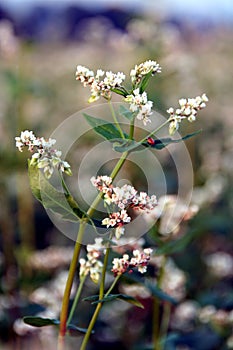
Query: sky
(214, 9)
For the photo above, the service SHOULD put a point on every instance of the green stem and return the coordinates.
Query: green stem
(155, 322)
(113, 174)
(90, 212)
(155, 130)
(131, 130)
(69, 282)
(76, 299)
(165, 322)
(112, 286)
(119, 165)
(90, 327)
(156, 330)
(115, 119)
(73, 265)
(102, 282)
(99, 305)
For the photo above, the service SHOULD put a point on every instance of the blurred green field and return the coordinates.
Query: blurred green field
(39, 91)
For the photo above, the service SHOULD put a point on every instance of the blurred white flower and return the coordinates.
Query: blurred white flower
(220, 264)
(206, 313)
(173, 282)
(92, 264)
(45, 156)
(185, 315)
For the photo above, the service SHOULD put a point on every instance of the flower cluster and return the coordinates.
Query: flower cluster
(45, 156)
(92, 265)
(220, 317)
(124, 197)
(143, 69)
(140, 260)
(188, 110)
(97, 86)
(140, 104)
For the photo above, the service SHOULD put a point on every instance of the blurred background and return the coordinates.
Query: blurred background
(41, 43)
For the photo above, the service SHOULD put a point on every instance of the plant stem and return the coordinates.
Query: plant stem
(119, 165)
(76, 299)
(102, 282)
(99, 305)
(155, 323)
(112, 286)
(165, 321)
(69, 282)
(155, 130)
(73, 265)
(131, 130)
(156, 329)
(113, 174)
(115, 119)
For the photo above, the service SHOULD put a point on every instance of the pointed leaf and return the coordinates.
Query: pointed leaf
(155, 291)
(120, 91)
(176, 246)
(131, 300)
(91, 298)
(124, 145)
(126, 112)
(111, 297)
(159, 293)
(40, 321)
(76, 331)
(51, 198)
(161, 143)
(34, 181)
(145, 81)
(103, 128)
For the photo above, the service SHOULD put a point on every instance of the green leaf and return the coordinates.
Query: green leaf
(126, 113)
(122, 145)
(176, 246)
(103, 128)
(161, 143)
(75, 330)
(131, 300)
(91, 298)
(51, 198)
(34, 181)
(144, 82)
(95, 299)
(157, 292)
(151, 286)
(40, 321)
(111, 297)
(120, 91)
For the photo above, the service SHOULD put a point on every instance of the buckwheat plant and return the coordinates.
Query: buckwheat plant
(122, 204)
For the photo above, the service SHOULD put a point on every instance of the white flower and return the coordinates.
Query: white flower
(97, 86)
(120, 230)
(124, 197)
(140, 260)
(140, 104)
(143, 69)
(92, 265)
(188, 110)
(45, 156)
